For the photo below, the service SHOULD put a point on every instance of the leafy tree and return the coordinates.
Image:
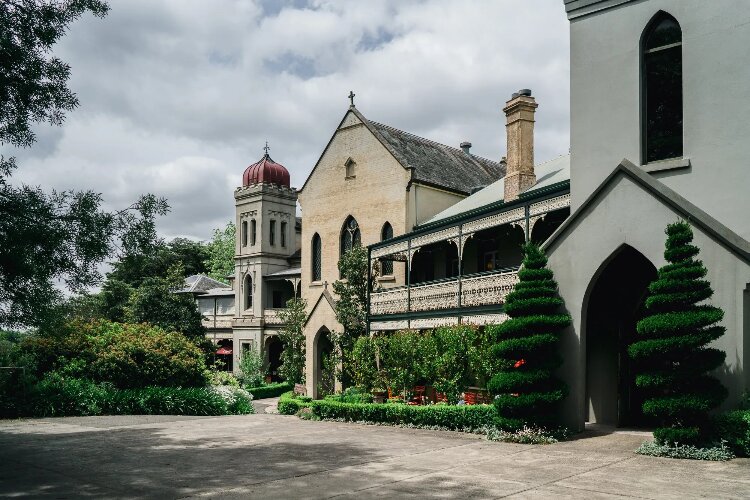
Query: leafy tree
(60, 237)
(293, 338)
(671, 354)
(399, 357)
(364, 367)
(452, 362)
(157, 257)
(155, 302)
(351, 305)
(525, 386)
(220, 250)
(33, 83)
(114, 298)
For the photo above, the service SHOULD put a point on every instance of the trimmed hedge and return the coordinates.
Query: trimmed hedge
(447, 416)
(734, 427)
(270, 390)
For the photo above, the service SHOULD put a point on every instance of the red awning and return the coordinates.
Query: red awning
(223, 351)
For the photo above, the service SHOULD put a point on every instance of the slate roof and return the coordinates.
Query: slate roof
(437, 164)
(296, 271)
(200, 284)
(547, 174)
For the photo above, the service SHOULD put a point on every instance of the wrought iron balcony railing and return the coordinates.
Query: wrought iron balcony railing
(467, 291)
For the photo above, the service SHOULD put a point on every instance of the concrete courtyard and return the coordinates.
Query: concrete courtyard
(275, 456)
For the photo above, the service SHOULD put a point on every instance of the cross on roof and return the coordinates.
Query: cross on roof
(351, 97)
(266, 148)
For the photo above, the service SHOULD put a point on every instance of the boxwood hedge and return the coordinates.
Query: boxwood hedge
(447, 416)
(270, 390)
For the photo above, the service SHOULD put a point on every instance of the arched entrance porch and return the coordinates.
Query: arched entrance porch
(612, 306)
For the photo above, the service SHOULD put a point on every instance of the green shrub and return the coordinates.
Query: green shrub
(351, 395)
(221, 377)
(57, 395)
(15, 383)
(269, 390)
(253, 368)
(126, 355)
(671, 354)
(734, 427)
(525, 388)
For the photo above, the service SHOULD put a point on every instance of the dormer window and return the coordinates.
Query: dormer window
(662, 89)
(351, 168)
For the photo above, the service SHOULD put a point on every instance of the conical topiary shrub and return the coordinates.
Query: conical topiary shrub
(525, 388)
(671, 354)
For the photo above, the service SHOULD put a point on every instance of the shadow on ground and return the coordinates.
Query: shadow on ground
(154, 462)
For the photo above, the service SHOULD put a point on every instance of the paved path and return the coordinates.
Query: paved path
(276, 456)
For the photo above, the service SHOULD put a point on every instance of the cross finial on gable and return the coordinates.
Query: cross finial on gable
(266, 148)
(351, 98)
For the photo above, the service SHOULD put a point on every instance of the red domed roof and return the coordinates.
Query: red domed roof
(266, 171)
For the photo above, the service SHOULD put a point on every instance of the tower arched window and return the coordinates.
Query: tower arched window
(662, 88)
(317, 254)
(247, 287)
(350, 235)
(244, 233)
(386, 234)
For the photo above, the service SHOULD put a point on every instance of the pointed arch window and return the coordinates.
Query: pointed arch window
(662, 88)
(386, 266)
(350, 235)
(247, 286)
(317, 255)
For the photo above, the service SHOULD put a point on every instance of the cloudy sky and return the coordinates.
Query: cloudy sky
(178, 97)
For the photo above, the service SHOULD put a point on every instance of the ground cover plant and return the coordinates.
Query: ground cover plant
(720, 453)
(525, 388)
(671, 354)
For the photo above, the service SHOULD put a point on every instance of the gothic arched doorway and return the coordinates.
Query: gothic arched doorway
(274, 347)
(323, 371)
(613, 306)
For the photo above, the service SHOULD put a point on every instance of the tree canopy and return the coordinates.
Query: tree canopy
(220, 251)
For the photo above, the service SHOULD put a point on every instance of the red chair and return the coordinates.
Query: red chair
(418, 395)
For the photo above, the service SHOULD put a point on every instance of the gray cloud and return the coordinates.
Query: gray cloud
(177, 98)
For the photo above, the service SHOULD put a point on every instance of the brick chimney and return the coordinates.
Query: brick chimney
(519, 114)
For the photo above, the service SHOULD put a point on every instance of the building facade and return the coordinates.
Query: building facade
(372, 182)
(658, 134)
(464, 261)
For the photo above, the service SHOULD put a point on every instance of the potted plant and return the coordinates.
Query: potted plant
(378, 395)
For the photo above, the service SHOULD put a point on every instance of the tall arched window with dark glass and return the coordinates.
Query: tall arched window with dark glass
(662, 89)
(350, 235)
(317, 254)
(386, 233)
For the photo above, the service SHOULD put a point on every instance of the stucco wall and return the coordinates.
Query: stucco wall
(626, 214)
(606, 92)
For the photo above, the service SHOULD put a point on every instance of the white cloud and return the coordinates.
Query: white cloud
(178, 97)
